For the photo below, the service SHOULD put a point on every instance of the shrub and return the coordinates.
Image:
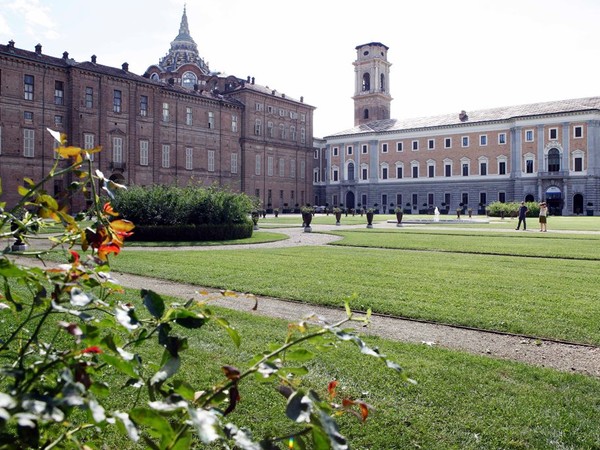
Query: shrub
(64, 331)
(163, 206)
(511, 209)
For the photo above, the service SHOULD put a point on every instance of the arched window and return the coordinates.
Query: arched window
(366, 82)
(553, 160)
(382, 83)
(350, 171)
(154, 76)
(188, 80)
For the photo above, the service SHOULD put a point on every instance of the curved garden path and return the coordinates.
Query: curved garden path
(546, 353)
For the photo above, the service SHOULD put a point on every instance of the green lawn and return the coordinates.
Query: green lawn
(453, 276)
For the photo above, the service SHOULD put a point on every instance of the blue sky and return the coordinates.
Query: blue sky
(446, 56)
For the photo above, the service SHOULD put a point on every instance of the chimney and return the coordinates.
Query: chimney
(463, 116)
(302, 99)
(125, 67)
(248, 79)
(282, 95)
(252, 77)
(38, 49)
(94, 59)
(65, 55)
(11, 45)
(273, 92)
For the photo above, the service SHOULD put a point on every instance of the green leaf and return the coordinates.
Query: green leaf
(299, 354)
(153, 303)
(299, 371)
(10, 270)
(158, 425)
(169, 369)
(119, 364)
(184, 389)
(185, 318)
(8, 295)
(233, 334)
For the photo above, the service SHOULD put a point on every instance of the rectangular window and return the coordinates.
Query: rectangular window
(270, 129)
(89, 97)
(447, 198)
(384, 148)
(234, 123)
(144, 105)
(415, 199)
(465, 199)
(117, 101)
(448, 143)
(349, 149)
(28, 87)
(365, 149)
(502, 197)
(364, 173)
(448, 170)
(293, 168)
(415, 171)
(399, 170)
(258, 127)
(281, 167)
(553, 132)
(431, 171)
(117, 150)
(302, 135)
(430, 199)
(293, 133)
(302, 169)
(211, 119)
(189, 158)
(270, 166)
(578, 164)
(259, 106)
(28, 116)
(399, 146)
(465, 141)
(578, 132)
(502, 138)
(528, 135)
(58, 120)
(257, 165)
(302, 117)
(384, 173)
(415, 145)
(211, 160)
(282, 133)
(144, 145)
(483, 140)
(165, 112)
(465, 169)
(335, 175)
(431, 144)
(502, 168)
(483, 198)
(166, 156)
(399, 200)
(28, 143)
(529, 166)
(316, 154)
(188, 116)
(59, 93)
(234, 163)
(335, 151)
(88, 144)
(482, 168)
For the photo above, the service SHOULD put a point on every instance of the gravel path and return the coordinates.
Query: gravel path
(557, 355)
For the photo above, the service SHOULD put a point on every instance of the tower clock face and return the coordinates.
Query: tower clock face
(188, 80)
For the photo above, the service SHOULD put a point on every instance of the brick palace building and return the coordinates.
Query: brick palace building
(179, 123)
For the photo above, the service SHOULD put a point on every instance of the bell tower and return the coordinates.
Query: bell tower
(372, 97)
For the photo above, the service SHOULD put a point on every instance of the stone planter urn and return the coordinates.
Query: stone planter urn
(307, 219)
(370, 219)
(399, 215)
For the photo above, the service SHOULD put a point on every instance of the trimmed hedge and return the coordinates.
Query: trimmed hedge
(202, 232)
(171, 213)
(511, 209)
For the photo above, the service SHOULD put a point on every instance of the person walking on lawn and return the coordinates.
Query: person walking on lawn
(522, 214)
(543, 216)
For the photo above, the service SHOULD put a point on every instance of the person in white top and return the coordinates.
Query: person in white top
(543, 216)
